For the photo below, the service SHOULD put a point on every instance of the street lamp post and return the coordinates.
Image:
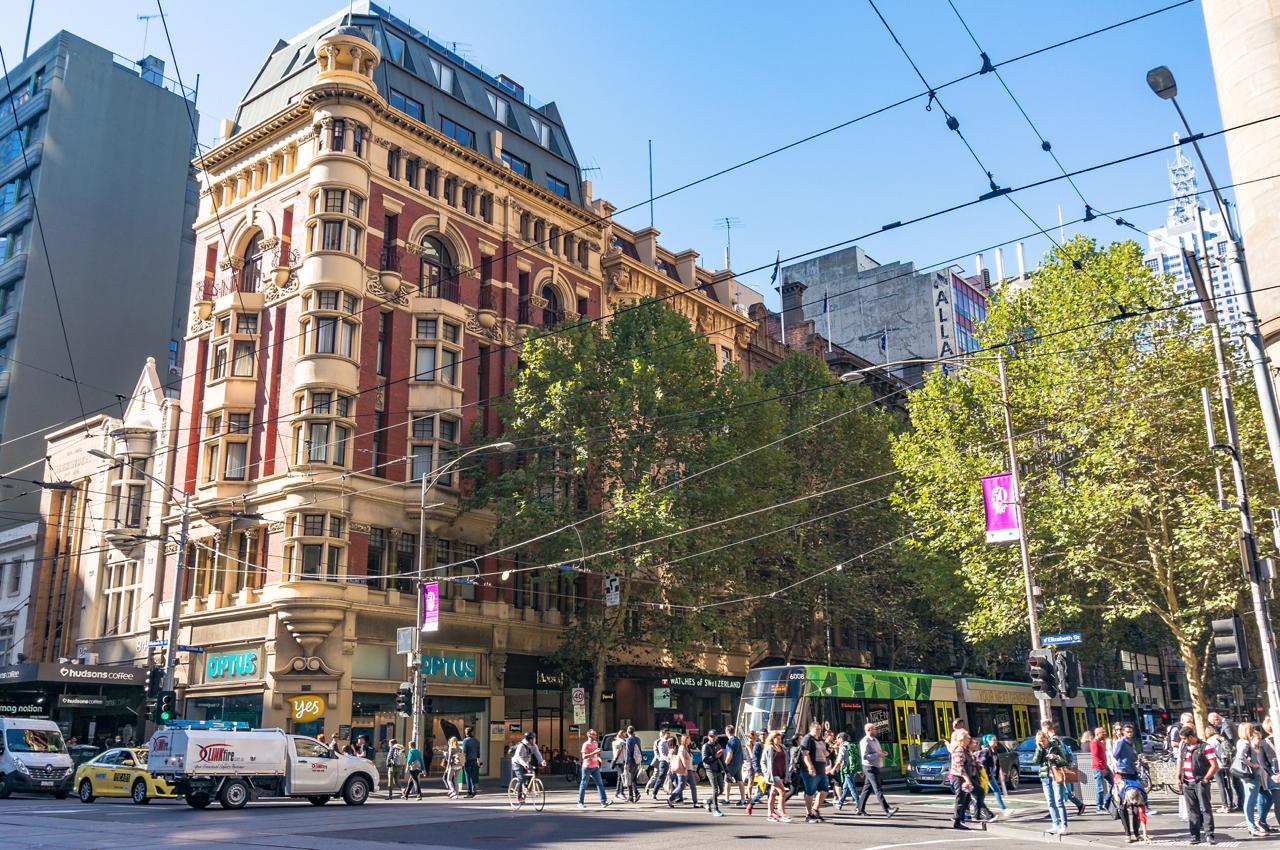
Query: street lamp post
(179, 572)
(1028, 575)
(429, 480)
(1163, 84)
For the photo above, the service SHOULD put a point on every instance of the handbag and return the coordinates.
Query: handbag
(1066, 775)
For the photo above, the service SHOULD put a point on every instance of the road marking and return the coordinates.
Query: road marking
(925, 843)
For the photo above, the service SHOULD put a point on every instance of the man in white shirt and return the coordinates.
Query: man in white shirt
(872, 761)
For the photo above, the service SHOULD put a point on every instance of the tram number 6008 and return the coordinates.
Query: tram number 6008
(795, 676)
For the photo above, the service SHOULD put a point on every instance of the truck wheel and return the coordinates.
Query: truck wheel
(356, 791)
(138, 793)
(317, 801)
(198, 800)
(86, 791)
(61, 795)
(234, 794)
(5, 790)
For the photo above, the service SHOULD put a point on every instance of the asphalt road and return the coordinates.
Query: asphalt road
(487, 822)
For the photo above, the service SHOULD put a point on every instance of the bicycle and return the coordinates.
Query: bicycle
(532, 788)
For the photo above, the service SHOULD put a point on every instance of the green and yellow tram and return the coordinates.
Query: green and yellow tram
(912, 710)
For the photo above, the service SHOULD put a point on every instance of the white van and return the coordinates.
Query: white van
(33, 758)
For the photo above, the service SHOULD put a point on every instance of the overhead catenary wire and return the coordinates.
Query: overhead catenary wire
(776, 150)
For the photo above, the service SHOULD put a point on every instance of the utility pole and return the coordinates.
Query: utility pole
(1165, 87)
(417, 626)
(1248, 538)
(179, 578)
(1033, 619)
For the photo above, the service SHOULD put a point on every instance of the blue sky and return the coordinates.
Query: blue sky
(712, 83)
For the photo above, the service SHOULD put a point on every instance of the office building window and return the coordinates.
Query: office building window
(323, 427)
(555, 184)
(516, 164)
(315, 544)
(402, 102)
(457, 132)
(119, 589)
(433, 441)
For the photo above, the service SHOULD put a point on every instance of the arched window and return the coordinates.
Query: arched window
(553, 313)
(439, 278)
(251, 271)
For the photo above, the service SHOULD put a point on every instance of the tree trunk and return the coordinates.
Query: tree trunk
(1195, 682)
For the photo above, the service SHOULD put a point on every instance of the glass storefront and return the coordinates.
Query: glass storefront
(245, 708)
(447, 717)
(375, 717)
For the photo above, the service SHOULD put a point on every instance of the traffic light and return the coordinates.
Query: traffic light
(404, 699)
(1229, 647)
(1068, 672)
(1043, 679)
(166, 707)
(155, 678)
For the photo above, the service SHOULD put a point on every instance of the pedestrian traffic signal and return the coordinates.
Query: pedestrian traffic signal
(155, 678)
(166, 707)
(404, 699)
(1229, 647)
(1043, 677)
(1068, 673)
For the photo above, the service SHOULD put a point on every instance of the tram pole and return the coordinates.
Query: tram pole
(1033, 622)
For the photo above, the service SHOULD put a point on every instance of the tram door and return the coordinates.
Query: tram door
(1081, 721)
(1021, 723)
(907, 717)
(1103, 719)
(945, 714)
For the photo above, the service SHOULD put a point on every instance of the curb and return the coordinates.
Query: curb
(1007, 829)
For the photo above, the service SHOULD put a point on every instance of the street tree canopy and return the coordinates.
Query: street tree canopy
(1119, 494)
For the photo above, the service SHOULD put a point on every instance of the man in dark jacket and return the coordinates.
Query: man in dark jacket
(1197, 765)
(470, 760)
(713, 764)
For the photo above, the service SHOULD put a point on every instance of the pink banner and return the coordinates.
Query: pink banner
(1002, 514)
(431, 606)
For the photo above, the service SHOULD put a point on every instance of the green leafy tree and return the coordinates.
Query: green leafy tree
(840, 448)
(610, 421)
(1119, 489)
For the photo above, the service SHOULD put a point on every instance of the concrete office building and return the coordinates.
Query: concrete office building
(100, 148)
(1244, 41)
(1182, 230)
(886, 313)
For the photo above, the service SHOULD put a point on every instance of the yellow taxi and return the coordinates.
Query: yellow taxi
(119, 773)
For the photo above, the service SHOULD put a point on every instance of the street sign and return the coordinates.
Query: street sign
(182, 647)
(404, 640)
(612, 590)
(1060, 640)
(431, 606)
(579, 696)
(579, 715)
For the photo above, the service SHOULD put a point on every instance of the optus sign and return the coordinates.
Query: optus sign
(222, 666)
(448, 668)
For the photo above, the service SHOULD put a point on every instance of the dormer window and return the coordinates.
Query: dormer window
(541, 131)
(444, 74)
(501, 109)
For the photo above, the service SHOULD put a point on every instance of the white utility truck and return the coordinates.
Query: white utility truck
(235, 766)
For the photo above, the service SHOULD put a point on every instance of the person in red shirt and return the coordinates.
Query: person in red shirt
(1098, 761)
(591, 769)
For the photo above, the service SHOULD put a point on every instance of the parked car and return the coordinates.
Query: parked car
(120, 773)
(929, 772)
(1029, 770)
(81, 753)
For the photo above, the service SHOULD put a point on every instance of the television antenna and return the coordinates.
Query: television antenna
(728, 222)
(146, 29)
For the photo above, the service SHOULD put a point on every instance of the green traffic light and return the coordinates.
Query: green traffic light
(164, 715)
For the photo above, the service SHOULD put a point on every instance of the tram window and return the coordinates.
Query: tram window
(991, 719)
(849, 717)
(928, 722)
(881, 714)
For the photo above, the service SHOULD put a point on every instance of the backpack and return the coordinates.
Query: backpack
(850, 761)
(397, 756)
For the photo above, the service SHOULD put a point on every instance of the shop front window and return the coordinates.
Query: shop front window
(245, 708)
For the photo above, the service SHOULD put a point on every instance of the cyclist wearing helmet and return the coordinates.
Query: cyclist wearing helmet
(526, 758)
